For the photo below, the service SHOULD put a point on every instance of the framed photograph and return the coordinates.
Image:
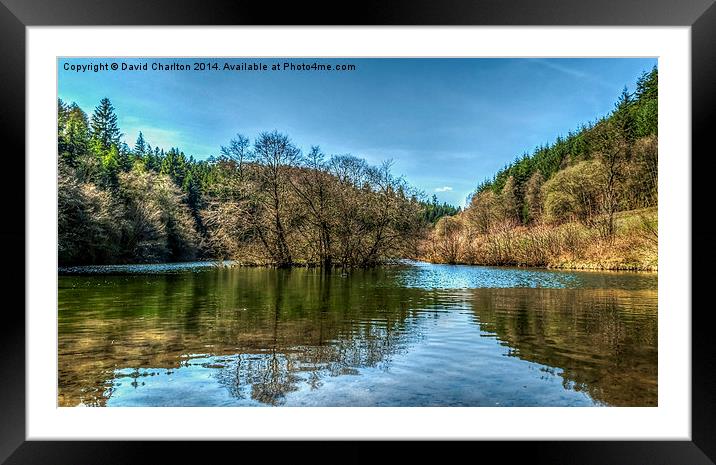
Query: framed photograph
(246, 222)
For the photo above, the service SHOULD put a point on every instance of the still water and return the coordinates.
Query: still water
(415, 334)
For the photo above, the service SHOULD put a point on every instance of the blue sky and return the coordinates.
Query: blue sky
(446, 123)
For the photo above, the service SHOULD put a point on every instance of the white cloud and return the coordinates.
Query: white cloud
(443, 189)
(573, 72)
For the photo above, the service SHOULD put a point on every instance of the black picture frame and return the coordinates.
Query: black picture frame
(16, 15)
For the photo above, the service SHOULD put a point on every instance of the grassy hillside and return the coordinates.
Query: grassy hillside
(587, 201)
(572, 245)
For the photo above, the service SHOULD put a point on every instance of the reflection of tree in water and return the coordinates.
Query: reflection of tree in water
(328, 345)
(604, 341)
(269, 332)
(287, 326)
(268, 377)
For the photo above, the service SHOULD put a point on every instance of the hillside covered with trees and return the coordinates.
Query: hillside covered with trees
(259, 202)
(588, 200)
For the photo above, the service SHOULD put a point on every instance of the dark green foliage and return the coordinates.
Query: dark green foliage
(433, 211)
(261, 203)
(73, 135)
(635, 116)
(268, 203)
(105, 131)
(122, 205)
(140, 147)
(646, 112)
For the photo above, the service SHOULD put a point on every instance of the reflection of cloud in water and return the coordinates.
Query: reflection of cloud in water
(267, 377)
(393, 336)
(431, 276)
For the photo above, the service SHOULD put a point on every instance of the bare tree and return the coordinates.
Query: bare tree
(613, 151)
(238, 151)
(275, 153)
(483, 212)
(510, 202)
(533, 197)
(316, 193)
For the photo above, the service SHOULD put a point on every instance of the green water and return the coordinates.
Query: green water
(409, 335)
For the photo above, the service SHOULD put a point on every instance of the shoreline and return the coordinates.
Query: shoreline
(140, 268)
(579, 266)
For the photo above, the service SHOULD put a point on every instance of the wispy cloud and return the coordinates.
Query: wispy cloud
(572, 71)
(443, 189)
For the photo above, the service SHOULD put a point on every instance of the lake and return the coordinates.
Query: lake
(412, 334)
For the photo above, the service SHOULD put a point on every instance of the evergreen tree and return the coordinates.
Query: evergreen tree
(125, 157)
(142, 204)
(647, 85)
(647, 95)
(62, 110)
(105, 132)
(111, 165)
(623, 118)
(76, 134)
(140, 147)
(433, 211)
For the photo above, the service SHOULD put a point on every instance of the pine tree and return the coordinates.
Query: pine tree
(647, 112)
(111, 165)
(647, 85)
(105, 132)
(140, 147)
(623, 117)
(125, 157)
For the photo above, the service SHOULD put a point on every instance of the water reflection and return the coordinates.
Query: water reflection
(604, 341)
(251, 336)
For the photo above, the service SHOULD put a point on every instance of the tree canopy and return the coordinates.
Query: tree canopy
(260, 201)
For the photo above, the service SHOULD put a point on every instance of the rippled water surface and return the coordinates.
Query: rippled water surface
(410, 335)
